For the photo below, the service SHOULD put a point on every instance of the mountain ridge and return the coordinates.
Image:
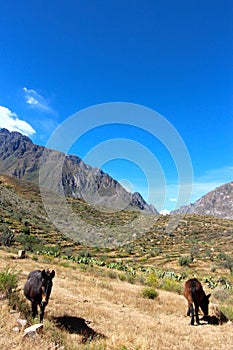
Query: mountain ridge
(217, 203)
(21, 158)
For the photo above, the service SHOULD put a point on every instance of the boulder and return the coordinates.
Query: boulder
(21, 254)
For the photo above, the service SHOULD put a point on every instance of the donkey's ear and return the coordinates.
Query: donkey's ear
(43, 274)
(52, 274)
(208, 296)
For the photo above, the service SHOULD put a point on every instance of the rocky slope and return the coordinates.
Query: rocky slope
(66, 174)
(218, 203)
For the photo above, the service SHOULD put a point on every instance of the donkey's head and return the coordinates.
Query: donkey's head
(46, 285)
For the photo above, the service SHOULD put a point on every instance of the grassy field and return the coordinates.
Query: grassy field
(90, 310)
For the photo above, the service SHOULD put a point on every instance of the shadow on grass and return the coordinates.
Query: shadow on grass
(213, 320)
(77, 325)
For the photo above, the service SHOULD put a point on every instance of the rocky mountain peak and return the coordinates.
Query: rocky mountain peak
(21, 158)
(218, 203)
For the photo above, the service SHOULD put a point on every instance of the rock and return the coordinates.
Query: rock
(22, 322)
(21, 254)
(33, 330)
(16, 329)
(3, 296)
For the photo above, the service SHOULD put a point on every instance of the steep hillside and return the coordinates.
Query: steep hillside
(21, 158)
(130, 232)
(218, 203)
(21, 204)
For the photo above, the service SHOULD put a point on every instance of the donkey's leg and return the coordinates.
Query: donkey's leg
(42, 307)
(34, 310)
(196, 313)
(191, 311)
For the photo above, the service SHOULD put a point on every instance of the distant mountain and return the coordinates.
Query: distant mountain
(218, 203)
(21, 158)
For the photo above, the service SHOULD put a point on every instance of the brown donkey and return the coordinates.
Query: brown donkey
(195, 294)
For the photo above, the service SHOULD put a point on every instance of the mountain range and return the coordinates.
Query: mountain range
(67, 174)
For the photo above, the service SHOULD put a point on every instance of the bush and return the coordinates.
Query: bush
(171, 285)
(184, 260)
(6, 236)
(8, 281)
(152, 280)
(112, 274)
(84, 254)
(228, 264)
(122, 277)
(8, 287)
(30, 243)
(19, 303)
(149, 293)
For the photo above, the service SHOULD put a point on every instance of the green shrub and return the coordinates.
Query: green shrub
(35, 258)
(171, 285)
(30, 243)
(222, 256)
(6, 236)
(8, 287)
(19, 303)
(122, 277)
(149, 293)
(8, 281)
(84, 254)
(130, 278)
(26, 229)
(228, 264)
(184, 260)
(213, 268)
(152, 280)
(112, 274)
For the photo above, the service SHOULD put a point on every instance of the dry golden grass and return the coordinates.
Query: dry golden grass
(101, 313)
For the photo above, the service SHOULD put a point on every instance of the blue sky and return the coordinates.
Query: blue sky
(174, 57)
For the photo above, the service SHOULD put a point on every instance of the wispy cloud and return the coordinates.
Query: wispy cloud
(9, 120)
(211, 179)
(35, 100)
(220, 174)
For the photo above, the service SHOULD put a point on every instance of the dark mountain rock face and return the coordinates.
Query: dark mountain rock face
(218, 203)
(68, 174)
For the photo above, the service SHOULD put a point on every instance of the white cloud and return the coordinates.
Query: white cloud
(35, 100)
(172, 199)
(10, 121)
